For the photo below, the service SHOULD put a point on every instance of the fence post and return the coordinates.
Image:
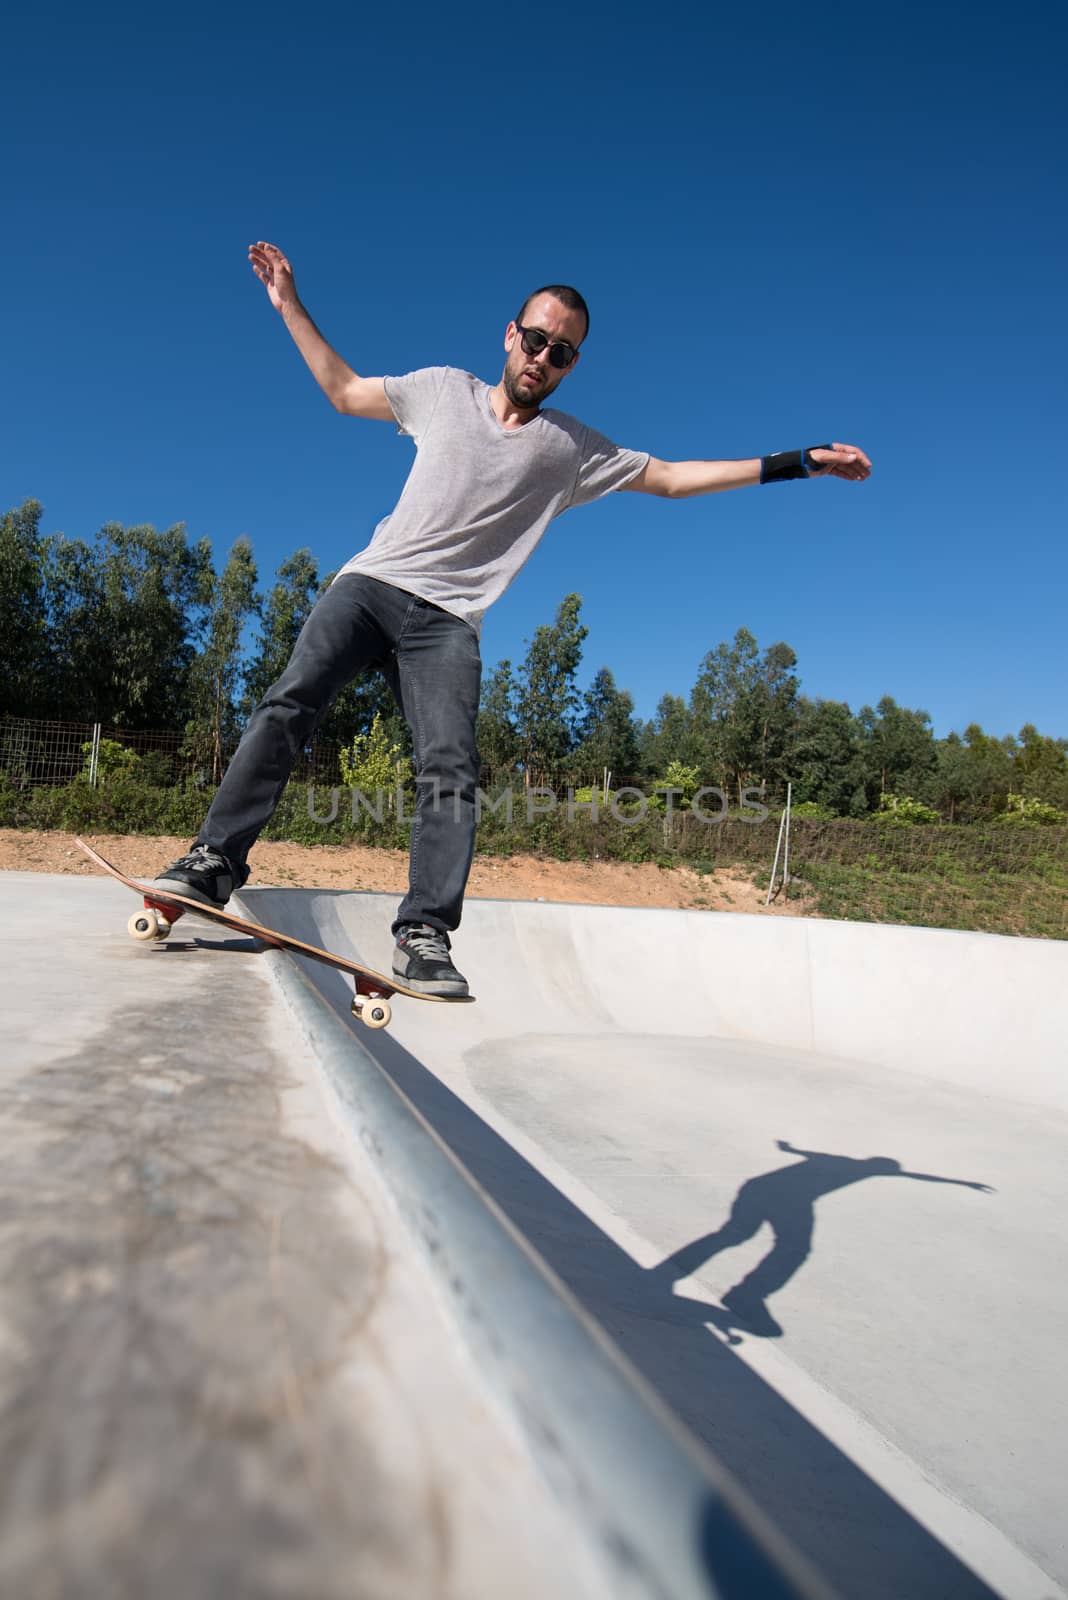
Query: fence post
(784, 828)
(775, 863)
(94, 756)
(786, 850)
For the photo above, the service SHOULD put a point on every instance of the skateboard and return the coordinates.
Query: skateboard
(162, 909)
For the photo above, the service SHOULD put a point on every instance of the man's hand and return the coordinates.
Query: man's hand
(273, 270)
(843, 461)
(346, 391)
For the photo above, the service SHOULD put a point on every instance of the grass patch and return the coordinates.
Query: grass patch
(1032, 903)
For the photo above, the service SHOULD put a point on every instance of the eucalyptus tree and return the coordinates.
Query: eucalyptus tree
(123, 616)
(499, 743)
(547, 700)
(900, 752)
(607, 732)
(284, 612)
(229, 600)
(827, 757)
(23, 614)
(744, 712)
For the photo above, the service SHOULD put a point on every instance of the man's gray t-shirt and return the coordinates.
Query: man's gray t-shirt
(480, 496)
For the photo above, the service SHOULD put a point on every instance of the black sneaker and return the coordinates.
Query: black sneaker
(422, 961)
(204, 874)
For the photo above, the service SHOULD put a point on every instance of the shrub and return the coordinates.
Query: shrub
(902, 811)
(373, 762)
(10, 802)
(156, 768)
(1028, 812)
(111, 757)
(678, 776)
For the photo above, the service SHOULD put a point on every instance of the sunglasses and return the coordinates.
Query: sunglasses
(561, 354)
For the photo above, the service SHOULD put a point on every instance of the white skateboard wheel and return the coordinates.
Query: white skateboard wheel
(144, 925)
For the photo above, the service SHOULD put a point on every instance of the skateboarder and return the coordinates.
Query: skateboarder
(492, 469)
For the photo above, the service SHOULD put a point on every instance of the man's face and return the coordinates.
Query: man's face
(529, 380)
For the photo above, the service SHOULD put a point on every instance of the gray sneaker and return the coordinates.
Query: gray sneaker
(204, 874)
(422, 961)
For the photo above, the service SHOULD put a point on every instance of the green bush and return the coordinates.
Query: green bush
(124, 804)
(903, 812)
(157, 769)
(373, 762)
(310, 815)
(182, 809)
(1030, 813)
(111, 757)
(813, 811)
(679, 776)
(10, 800)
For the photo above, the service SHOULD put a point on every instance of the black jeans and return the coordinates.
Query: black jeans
(432, 664)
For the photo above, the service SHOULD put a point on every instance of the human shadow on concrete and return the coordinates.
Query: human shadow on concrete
(785, 1200)
(853, 1532)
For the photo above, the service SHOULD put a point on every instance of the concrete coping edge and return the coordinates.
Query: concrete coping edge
(664, 1516)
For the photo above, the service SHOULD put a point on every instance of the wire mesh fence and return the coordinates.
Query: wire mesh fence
(34, 754)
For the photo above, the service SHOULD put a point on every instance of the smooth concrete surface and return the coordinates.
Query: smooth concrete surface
(863, 1127)
(222, 1369)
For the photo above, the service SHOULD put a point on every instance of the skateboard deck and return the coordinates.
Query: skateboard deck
(162, 908)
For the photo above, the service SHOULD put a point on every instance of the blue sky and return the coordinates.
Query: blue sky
(843, 223)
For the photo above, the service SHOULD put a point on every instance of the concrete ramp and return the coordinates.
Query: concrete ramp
(810, 1178)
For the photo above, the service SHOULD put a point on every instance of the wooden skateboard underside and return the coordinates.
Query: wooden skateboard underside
(162, 909)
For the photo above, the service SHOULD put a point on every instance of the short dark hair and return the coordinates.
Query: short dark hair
(566, 295)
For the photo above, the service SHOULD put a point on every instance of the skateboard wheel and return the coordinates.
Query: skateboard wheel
(145, 925)
(371, 1012)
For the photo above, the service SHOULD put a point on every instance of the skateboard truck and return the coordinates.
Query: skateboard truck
(155, 921)
(370, 1005)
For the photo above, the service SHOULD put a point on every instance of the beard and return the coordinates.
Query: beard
(524, 396)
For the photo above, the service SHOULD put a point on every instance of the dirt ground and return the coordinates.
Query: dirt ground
(606, 883)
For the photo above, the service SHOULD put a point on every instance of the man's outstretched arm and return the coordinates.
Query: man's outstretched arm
(345, 389)
(677, 479)
(961, 1183)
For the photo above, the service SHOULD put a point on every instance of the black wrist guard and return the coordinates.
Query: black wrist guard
(790, 464)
